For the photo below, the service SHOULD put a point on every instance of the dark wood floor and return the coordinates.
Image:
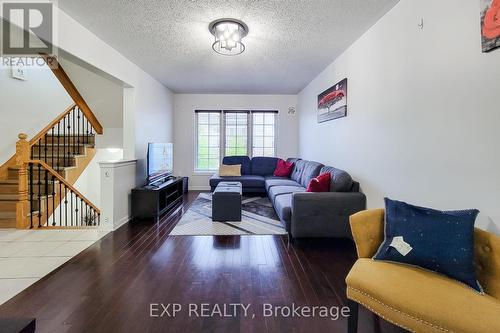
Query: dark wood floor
(109, 287)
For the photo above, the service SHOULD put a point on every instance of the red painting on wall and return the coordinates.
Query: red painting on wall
(332, 103)
(490, 24)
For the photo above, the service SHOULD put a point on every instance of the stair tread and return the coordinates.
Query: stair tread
(9, 182)
(9, 197)
(7, 215)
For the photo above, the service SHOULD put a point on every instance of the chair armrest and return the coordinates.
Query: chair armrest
(324, 214)
(368, 231)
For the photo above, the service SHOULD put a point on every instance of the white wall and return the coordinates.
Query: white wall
(89, 183)
(28, 106)
(423, 111)
(184, 130)
(103, 95)
(149, 104)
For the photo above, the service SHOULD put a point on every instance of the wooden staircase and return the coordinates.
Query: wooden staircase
(36, 184)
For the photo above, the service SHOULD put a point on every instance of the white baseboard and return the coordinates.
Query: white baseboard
(121, 222)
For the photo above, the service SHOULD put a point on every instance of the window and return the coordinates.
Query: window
(263, 136)
(229, 133)
(236, 129)
(208, 141)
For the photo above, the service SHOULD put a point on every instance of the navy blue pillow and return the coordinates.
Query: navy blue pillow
(441, 241)
(246, 167)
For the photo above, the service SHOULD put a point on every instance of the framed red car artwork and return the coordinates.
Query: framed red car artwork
(490, 24)
(332, 103)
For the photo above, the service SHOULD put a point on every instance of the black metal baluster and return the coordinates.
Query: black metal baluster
(52, 144)
(58, 143)
(40, 149)
(78, 132)
(72, 211)
(65, 205)
(86, 130)
(31, 194)
(86, 219)
(53, 201)
(81, 212)
(73, 135)
(69, 140)
(64, 142)
(47, 196)
(39, 196)
(45, 148)
(76, 210)
(60, 204)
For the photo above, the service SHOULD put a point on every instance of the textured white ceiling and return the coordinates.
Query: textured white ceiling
(290, 41)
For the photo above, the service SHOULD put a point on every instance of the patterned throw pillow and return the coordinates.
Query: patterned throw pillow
(441, 241)
(230, 170)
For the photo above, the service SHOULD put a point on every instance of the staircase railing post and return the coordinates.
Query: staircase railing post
(22, 158)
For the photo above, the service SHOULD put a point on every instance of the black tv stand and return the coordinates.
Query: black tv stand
(154, 201)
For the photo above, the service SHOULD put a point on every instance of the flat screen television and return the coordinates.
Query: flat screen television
(160, 161)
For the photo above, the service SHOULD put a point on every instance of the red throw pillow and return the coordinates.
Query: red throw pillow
(283, 169)
(320, 183)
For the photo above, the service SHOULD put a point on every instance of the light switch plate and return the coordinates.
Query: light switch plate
(20, 73)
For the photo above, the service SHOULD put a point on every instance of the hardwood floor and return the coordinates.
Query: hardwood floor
(110, 286)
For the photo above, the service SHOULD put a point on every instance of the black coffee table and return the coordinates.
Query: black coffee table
(226, 202)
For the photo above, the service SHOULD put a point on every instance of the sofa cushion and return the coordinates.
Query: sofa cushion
(283, 207)
(310, 171)
(280, 190)
(441, 241)
(421, 300)
(246, 166)
(245, 180)
(341, 180)
(298, 168)
(264, 166)
(230, 170)
(279, 181)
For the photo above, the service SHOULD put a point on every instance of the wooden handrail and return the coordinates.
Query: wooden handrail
(65, 182)
(47, 128)
(70, 88)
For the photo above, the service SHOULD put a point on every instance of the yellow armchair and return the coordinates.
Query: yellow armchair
(419, 300)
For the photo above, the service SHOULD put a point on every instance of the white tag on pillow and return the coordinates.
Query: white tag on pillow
(400, 245)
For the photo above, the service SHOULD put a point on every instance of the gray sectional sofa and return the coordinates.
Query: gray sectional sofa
(303, 214)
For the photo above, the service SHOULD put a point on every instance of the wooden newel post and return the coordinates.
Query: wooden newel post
(22, 158)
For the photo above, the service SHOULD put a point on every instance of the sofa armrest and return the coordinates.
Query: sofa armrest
(324, 214)
(368, 231)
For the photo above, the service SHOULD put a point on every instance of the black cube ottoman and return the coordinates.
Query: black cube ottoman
(226, 202)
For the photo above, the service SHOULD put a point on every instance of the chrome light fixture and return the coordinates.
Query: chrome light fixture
(228, 35)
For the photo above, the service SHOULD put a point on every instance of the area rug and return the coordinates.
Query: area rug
(258, 218)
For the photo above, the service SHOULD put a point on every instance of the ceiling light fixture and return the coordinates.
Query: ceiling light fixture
(228, 35)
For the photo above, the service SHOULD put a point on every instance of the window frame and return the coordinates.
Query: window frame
(275, 129)
(222, 133)
(196, 169)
